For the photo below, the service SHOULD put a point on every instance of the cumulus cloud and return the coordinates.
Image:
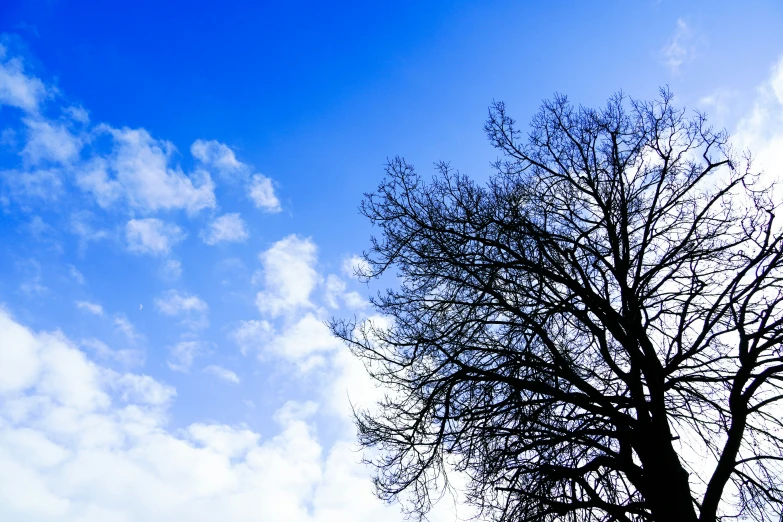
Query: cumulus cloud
(152, 236)
(335, 292)
(262, 192)
(139, 168)
(333, 288)
(143, 389)
(354, 301)
(222, 373)
(225, 228)
(305, 342)
(80, 442)
(16, 88)
(82, 439)
(124, 165)
(761, 130)
(218, 156)
(356, 267)
(289, 276)
(49, 141)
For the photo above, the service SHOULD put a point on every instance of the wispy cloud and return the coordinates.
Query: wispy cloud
(93, 308)
(225, 229)
(171, 269)
(190, 308)
(222, 373)
(124, 357)
(176, 303)
(183, 353)
(680, 48)
(122, 324)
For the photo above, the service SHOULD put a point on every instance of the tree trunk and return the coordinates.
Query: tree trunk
(666, 485)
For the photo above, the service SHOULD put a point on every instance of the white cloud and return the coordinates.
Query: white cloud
(43, 184)
(262, 192)
(191, 308)
(48, 141)
(289, 276)
(80, 442)
(75, 274)
(50, 364)
(354, 301)
(304, 342)
(219, 156)
(251, 336)
(182, 355)
(78, 114)
(93, 176)
(93, 308)
(680, 47)
(16, 88)
(40, 229)
(226, 228)
(719, 105)
(31, 277)
(139, 169)
(222, 373)
(171, 270)
(126, 327)
(335, 291)
(356, 267)
(175, 303)
(761, 130)
(141, 389)
(152, 236)
(334, 288)
(81, 225)
(232, 442)
(124, 357)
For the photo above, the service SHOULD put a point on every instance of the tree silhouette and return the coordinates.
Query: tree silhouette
(595, 334)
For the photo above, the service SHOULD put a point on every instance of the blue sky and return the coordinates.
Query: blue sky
(179, 186)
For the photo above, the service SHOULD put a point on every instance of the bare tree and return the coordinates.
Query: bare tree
(595, 334)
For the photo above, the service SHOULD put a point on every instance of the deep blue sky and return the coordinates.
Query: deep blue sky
(312, 98)
(317, 95)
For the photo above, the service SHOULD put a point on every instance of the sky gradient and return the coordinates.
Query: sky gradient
(179, 186)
